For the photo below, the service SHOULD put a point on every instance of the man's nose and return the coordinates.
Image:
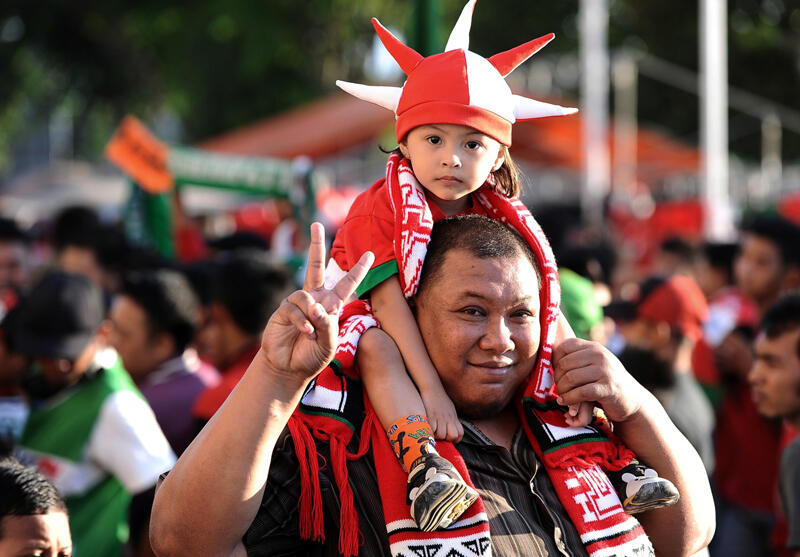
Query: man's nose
(497, 337)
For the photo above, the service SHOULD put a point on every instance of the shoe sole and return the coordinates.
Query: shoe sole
(450, 505)
(651, 496)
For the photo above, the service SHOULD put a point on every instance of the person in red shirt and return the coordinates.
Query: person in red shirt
(246, 287)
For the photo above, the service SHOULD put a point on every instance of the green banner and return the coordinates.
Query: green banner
(254, 175)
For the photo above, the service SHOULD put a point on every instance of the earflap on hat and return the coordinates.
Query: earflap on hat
(456, 86)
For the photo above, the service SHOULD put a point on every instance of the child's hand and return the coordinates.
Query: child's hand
(579, 415)
(442, 415)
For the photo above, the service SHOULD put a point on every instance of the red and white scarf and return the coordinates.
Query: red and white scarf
(334, 408)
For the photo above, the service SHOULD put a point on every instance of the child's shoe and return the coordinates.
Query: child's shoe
(641, 489)
(437, 493)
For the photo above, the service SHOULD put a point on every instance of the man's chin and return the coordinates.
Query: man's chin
(481, 410)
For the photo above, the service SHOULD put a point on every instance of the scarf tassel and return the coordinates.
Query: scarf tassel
(310, 501)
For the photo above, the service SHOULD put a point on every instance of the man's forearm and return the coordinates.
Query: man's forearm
(687, 526)
(213, 493)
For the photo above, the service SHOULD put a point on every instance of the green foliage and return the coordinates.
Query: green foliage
(219, 65)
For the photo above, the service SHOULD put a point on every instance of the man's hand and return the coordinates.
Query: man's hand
(586, 371)
(300, 337)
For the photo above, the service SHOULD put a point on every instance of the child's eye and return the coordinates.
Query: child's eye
(472, 145)
(434, 140)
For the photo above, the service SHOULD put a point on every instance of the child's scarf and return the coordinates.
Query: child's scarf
(334, 407)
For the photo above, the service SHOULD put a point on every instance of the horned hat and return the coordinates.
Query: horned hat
(456, 86)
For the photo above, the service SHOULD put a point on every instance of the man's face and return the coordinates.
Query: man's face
(13, 265)
(775, 375)
(131, 338)
(480, 323)
(43, 535)
(759, 268)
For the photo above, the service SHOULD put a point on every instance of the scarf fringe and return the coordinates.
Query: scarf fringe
(310, 501)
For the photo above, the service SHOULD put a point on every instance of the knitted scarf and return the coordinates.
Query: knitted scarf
(333, 408)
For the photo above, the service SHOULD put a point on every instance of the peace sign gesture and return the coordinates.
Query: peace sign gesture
(300, 338)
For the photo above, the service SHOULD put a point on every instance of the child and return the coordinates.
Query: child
(454, 117)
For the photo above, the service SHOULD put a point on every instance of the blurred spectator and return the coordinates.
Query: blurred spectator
(713, 268)
(33, 517)
(663, 325)
(13, 408)
(246, 287)
(675, 256)
(769, 260)
(14, 261)
(775, 378)
(75, 237)
(747, 474)
(153, 321)
(89, 430)
(579, 304)
(727, 310)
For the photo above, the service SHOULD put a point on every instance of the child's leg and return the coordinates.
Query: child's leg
(393, 395)
(437, 493)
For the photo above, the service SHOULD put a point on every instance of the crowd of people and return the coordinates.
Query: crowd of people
(109, 368)
(444, 383)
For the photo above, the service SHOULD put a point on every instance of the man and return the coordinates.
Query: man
(665, 324)
(468, 316)
(153, 320)
(246, 287)
(89, 430)
(769, 259)
(746, 475)
(775, 379)
(33, 517)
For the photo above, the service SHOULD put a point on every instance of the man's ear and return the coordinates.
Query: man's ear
(164, 345)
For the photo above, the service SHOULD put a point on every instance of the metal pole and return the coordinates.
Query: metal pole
(771, 165)
(625, 79)
(714, 119)
(594, 106)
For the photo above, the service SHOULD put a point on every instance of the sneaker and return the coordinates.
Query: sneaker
(641, 489)
(437, 493)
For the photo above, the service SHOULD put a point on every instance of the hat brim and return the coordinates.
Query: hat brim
(69, 347)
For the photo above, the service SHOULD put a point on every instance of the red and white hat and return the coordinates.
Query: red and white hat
(456, 86)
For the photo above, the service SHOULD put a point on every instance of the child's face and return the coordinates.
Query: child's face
(451, 161)
(42, 535)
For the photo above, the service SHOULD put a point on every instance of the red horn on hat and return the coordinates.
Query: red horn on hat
(404, 55)
(505, 62)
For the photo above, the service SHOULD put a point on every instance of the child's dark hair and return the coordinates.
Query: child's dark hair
(26, 491)
(508, 180)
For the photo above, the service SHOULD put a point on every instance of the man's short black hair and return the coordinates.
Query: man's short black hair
(680, 248)
(721, 255)
(783, 317)
(10, 232)
(76, 226)
(784, 234)
(169, 302)
(25, 492)
(250, 285)
(485, 238)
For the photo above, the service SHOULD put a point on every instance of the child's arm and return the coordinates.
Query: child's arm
(392, 311)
